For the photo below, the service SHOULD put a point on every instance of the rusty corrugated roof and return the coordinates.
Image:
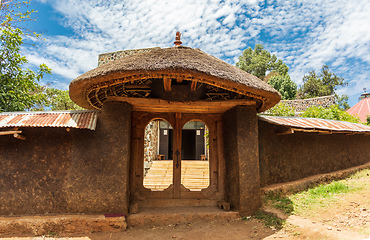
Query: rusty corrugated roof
(316, 124)
(83, 119)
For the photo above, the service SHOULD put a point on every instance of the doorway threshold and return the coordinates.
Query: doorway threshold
(153, 203)
(164, 216)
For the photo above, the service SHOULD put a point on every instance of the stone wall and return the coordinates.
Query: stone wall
(301, 105)
(285, 158)
(108, 57)
(150, 143)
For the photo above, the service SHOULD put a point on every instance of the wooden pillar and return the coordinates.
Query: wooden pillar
(240, 131)
(177, 156)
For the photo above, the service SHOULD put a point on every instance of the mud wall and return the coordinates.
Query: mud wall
(285, 158)
(81, 171)
(240, 132)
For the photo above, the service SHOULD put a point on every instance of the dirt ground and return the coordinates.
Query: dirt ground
(346, 219)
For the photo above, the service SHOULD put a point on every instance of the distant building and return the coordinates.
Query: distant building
(362, 108)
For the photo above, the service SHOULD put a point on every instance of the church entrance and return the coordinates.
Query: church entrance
(174, 158)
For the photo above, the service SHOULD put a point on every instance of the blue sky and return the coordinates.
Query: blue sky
(305, 34)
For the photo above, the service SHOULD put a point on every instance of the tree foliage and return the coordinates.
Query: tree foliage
(56, 99)
(322, 84)
(333, 113)
(259, 61)
(286, 87)
(281, 109)
(18, 86)
(342, 102)
(12, 14)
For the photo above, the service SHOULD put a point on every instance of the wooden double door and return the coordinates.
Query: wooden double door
(176, 189)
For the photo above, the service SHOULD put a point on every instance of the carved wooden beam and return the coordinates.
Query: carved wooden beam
(159, 105)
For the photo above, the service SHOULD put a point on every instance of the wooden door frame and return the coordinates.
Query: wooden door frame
(215, 190)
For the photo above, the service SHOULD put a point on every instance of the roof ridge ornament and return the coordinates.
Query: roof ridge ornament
(178, 42)
(365, 94)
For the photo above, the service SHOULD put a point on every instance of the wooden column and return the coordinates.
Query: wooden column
(177, 156)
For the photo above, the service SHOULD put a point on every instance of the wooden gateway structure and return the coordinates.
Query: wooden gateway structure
(179, 85)
(165, 127)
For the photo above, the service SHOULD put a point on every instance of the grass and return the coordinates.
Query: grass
(269, 220)
(321, 196)
(312, 200)
(278, 201)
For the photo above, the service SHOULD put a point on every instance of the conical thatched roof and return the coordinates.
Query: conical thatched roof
(174, 62)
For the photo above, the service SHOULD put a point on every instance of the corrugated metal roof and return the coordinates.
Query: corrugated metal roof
(315, 124)
(83, 119)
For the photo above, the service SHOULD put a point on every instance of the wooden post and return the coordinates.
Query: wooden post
(177, 157)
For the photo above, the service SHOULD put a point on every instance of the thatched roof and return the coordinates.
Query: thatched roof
(176, 61)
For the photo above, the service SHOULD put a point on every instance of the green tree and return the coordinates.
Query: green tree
(286, 87)
(57, 99)
(342, 102)
(323, 84)
(18, 86)
(259, 61)
(14, 13)
(333, 113)
(281, 109)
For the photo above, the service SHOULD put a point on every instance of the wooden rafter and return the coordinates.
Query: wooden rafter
(193, 85)
(167, 84)
(10, 132)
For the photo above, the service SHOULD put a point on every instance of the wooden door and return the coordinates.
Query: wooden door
(176, 190)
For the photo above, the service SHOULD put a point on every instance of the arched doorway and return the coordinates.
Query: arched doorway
(158, 148)
(195, 156)
(186, 142)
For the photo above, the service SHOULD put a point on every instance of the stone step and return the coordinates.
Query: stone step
(194, 175)
(164, 216)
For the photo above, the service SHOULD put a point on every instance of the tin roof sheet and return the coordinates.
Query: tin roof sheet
(83, 119)
(316, 124)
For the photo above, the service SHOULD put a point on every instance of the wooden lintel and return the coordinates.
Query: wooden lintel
(10, 132)
(167, 84)
(160, 105)
(289, 131)
(193, 85)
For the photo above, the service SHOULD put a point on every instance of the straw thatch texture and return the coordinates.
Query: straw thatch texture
(176, 60)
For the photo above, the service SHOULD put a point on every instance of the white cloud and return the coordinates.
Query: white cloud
(304, 34)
